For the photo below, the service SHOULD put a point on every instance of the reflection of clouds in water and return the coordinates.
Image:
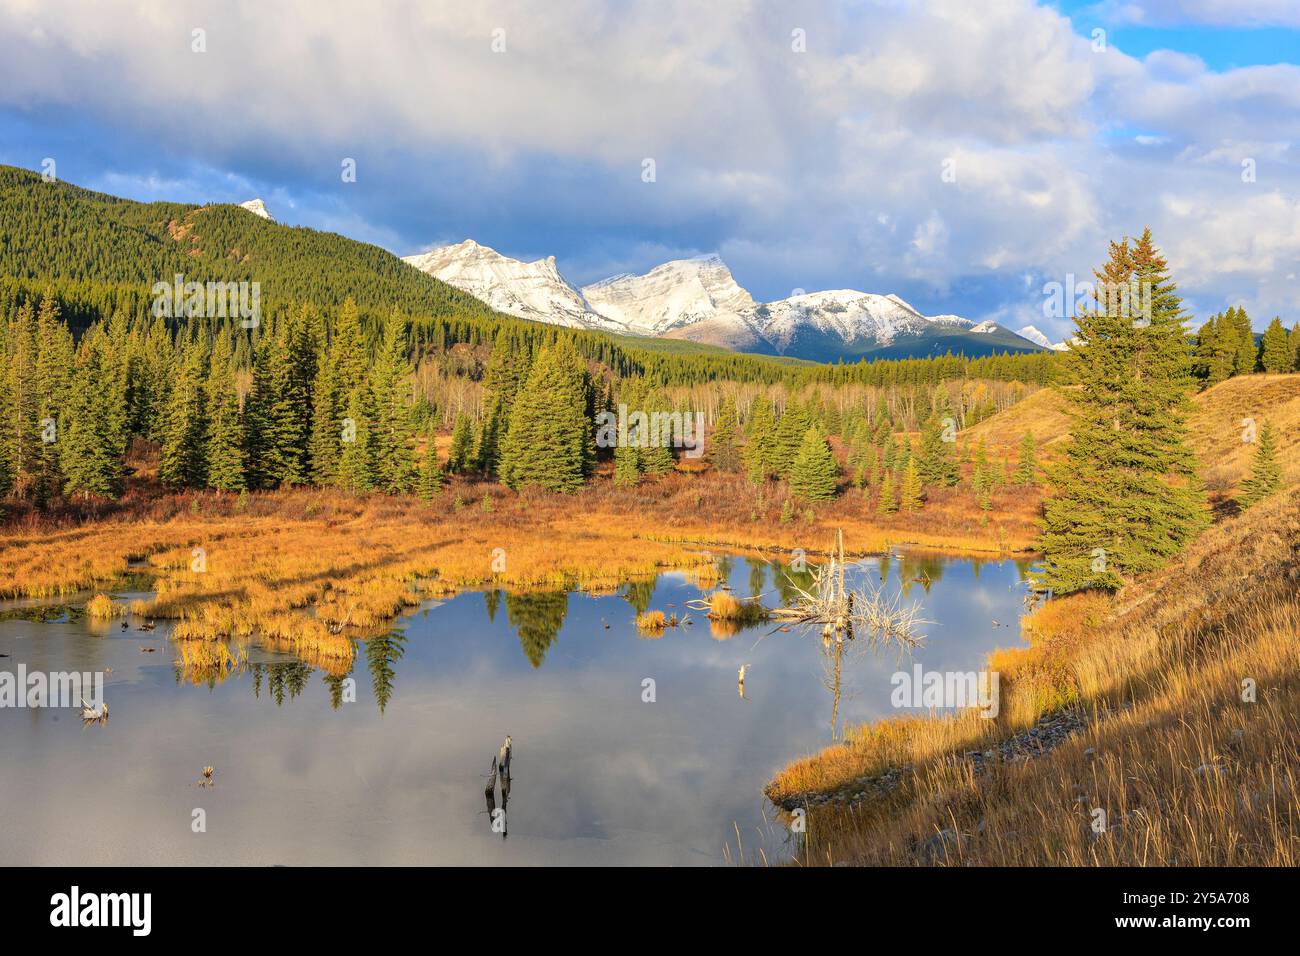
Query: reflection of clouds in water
(599, 776)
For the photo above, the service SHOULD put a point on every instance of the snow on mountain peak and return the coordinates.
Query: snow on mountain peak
(257, 208)
(1038, 338)
(698, 299)
(529, 290)
(670, 296)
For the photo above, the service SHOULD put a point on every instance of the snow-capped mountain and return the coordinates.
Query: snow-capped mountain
(529, 290)
(258, 208)
(676, 294)
(1037, 337)
(700, 301)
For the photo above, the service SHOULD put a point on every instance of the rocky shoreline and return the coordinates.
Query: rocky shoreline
(1046, 735)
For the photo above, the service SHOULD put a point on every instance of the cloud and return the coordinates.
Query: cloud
(526, 126)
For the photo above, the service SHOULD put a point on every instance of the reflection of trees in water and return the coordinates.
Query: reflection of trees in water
(289, 677)
(381, 653)
(493, 600)
(538, 618)
(639, 593)
(789, 581)
(335, 684)
(757, 576)
(919, 569)
(724, 563)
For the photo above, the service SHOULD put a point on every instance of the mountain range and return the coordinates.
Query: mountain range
(699, 300)
(687, 305)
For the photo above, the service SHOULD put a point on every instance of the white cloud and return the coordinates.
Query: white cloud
(815, 169)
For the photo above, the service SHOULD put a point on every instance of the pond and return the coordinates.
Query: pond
(601, 774)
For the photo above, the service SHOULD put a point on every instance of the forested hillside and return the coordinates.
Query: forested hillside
(357, 362)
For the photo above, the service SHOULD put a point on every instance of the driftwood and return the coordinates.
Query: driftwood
(842, 614)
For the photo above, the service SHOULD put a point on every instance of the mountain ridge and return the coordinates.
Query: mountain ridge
(697, 299)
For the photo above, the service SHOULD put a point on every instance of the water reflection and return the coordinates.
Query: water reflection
(333, 778)
(537, 618)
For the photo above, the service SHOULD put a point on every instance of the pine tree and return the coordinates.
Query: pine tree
(1294, 341)
(90, 458)
(888, 502)
(814, 474)
(356, 465)
(462, 444)
(725, 454)
(788, 438)
(758, 440)
(1125, 495)
(1275, 350)
(545, 444)
(1266, 474)
(937, 466)
(1027, 468)
(224, 453)
(181, 459)
(392, 436)
(1245, 352)
(910, 489)
(627, 466)
(654, 456)
(325, 424)
(506, 372)
(429, 483)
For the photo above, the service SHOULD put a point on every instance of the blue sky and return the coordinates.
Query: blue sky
(961, 155)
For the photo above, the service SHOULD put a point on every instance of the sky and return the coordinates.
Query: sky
(967, 156)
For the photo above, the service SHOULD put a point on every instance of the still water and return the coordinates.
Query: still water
(599, 774)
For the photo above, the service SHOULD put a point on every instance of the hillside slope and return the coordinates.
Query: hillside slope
(1152, 728)
(1215, 426)
(55, 230)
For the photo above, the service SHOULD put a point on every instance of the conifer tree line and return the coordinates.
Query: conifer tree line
(1226, 346)
(325, 397)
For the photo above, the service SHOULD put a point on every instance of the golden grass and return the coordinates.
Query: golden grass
(651, 622)
(724, 606)
(102, 607)
(1186, 771)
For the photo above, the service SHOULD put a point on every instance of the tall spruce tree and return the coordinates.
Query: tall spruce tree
(1275, 350)
(224, 450)
(91, 459)
(1126, 496)
(545, 442)
(181, 459)
(430, 477)
(1266, 474)
(759, 426)
(814, 474)
(1027, 467)
(909, 494)
(461, 454)
(725, 452)
(392, 437)
(937, 465)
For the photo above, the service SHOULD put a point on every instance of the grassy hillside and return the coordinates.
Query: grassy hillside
(1215, 425)
(1148, 724)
